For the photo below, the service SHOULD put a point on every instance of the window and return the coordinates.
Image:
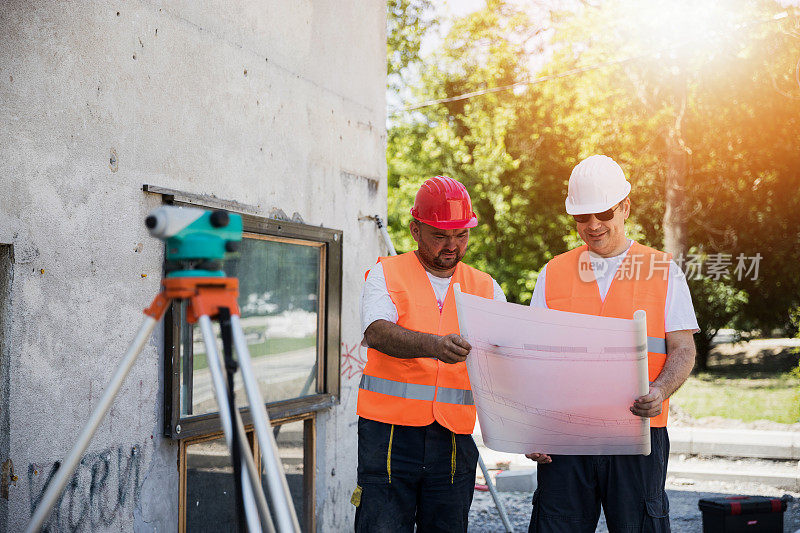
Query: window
(208, 494)
(290, 281)
(289, 298)
(207, 499)
(280, 288)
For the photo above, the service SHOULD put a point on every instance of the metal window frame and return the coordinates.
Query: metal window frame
(329, 336)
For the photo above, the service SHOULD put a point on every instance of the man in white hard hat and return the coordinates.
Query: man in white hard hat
(614, 276)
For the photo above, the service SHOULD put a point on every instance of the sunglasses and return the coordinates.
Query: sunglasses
(605, 216)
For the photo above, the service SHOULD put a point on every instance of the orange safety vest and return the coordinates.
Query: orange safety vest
(415, 392)
(639, 283)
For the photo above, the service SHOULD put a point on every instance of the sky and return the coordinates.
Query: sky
(445, 11)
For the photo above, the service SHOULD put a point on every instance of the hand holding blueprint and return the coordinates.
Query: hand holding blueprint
(555, 382)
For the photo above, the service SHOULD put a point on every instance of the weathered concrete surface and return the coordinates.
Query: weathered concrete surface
(735, 442)
(518, 480)
(7, 472)
(274, 104)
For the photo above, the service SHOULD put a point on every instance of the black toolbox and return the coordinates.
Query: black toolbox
(746, 514)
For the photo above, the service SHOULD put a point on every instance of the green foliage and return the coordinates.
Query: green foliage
(716, 304)
(729, 99)
(745, 398)
(484, 143)
(746, 382)
(406, 24)
(795, 373)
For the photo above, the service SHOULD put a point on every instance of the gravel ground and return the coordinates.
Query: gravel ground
(683, 495)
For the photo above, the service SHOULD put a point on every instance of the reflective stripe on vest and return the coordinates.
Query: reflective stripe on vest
(641, 282)
(413, 391)
(656, 345)
(418, 391)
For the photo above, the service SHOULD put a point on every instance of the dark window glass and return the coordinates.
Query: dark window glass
(291, 450)
(210, 500)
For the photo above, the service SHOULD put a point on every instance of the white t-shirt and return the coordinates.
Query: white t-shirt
(678, 310)
(376, 304)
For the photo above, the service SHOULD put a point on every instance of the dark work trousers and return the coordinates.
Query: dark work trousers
(630, 488)
(413, 475)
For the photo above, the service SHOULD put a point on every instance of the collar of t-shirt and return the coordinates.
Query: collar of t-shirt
(605, 267)
(440, 286)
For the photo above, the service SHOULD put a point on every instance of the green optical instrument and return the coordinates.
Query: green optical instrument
(196, 240)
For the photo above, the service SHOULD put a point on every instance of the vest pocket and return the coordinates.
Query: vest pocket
(373, 451)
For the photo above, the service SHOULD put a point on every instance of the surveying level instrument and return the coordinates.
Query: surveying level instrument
(196, 243)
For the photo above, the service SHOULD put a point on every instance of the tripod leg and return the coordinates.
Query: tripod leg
(496, 497)
(67, 468)
(253, 480)
(276, 480)
(249, 503)
(220, 388)
(311, 377)
(236, 450)
(250, 481)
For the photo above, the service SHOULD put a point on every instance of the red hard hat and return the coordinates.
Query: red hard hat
(444, 203)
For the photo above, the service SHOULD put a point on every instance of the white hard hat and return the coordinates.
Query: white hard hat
(596, 184)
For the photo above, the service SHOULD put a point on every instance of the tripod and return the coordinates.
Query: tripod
(208, 297)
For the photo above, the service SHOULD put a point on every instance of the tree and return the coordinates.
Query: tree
(407, 22)
(707, 135)
(720, 114)
(482, 142)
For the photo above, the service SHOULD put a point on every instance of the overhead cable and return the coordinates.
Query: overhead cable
(572, 72)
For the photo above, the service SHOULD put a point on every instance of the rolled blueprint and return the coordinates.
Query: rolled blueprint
(555, 382)
(640, 319)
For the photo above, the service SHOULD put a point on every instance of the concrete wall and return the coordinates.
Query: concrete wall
(274, 104)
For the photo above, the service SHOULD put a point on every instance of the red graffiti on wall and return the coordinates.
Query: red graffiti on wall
(352, 360)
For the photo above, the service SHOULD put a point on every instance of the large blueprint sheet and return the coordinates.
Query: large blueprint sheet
(555, 382)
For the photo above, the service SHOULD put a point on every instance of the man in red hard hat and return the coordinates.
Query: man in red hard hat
(416, 456)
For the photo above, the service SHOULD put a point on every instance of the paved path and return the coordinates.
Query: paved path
(735, 442)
